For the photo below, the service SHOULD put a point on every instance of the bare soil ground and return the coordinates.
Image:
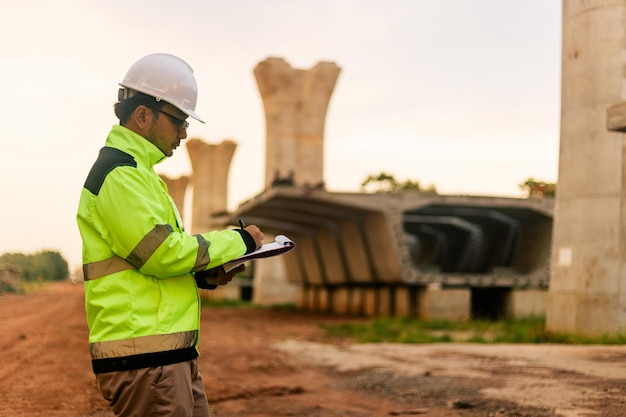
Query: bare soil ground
(259, 362)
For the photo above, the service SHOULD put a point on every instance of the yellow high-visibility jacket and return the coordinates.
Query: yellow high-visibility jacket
(141, 299)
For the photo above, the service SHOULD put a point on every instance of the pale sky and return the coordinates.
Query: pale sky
(462, 94)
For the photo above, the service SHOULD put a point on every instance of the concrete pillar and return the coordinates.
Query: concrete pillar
(588, 259)
(295, 104)
(210, 165)
(177, 188)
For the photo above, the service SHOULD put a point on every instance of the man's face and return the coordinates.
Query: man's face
(169, 127)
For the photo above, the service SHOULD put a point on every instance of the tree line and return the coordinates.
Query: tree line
(41, 266)
(385, 182)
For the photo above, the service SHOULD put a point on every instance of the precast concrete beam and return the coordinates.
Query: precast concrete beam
(363, 227)
(355, 245)
(347, 254)
(304, 265)
(499, 232)
(331, 251)
(365, 233)
(462, 242)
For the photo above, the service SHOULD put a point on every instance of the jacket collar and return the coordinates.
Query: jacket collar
(136, 145)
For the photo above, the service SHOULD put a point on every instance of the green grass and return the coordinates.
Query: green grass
(396, 330)
(406, 330)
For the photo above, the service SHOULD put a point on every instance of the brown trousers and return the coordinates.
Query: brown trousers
(168, 391)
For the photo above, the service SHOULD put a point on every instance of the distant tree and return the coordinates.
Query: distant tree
(18, 260)
(41, 266)
(538, 189)
(52, 265)
(384, 182)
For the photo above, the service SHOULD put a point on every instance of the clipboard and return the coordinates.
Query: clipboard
(281, 244)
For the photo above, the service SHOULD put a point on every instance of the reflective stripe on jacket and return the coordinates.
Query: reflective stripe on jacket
(141, 299)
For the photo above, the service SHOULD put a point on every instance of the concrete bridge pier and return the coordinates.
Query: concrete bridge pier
(295, 103)
(210, 166)
(177, 188)
(587, 291)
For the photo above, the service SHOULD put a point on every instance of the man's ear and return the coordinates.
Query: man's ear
(141, 116)
(140, 120)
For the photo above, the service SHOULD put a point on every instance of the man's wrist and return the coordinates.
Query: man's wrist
(247, 239)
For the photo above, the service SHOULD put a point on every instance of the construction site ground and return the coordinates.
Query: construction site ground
(271, 362)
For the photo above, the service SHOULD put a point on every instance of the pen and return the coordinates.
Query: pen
(242, 224)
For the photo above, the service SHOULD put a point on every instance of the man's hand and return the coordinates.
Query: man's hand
(256, 234)
(211, 278)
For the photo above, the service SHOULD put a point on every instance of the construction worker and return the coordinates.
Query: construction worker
(141, 268)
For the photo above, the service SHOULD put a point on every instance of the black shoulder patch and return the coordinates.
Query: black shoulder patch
(107, 161)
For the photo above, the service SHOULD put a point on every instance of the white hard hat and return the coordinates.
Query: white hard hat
(164, 77)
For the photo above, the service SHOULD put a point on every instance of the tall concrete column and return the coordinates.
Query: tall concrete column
(295, 104)
(588, 260)
(210, 166)
(177, 188)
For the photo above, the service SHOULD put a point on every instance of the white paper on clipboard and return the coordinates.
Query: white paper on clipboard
(281, 244)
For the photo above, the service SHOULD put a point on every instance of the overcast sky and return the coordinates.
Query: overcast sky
(461, 94)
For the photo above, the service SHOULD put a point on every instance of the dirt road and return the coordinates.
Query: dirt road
(261, 363)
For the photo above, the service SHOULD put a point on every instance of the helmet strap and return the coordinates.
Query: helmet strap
(125, 93)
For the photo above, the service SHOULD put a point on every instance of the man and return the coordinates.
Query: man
(140, 266)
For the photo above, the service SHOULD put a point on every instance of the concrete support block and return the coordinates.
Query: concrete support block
(322, 299)
(340, 301)
(314, 299)
(444, 304)
(357, 300)
(271, 285)
(370, 301)
(403, 302)
(304, 301)
(524, 303)
(384, 297)
(230, 291)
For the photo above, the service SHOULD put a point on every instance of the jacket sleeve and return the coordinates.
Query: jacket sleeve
(139, 222)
